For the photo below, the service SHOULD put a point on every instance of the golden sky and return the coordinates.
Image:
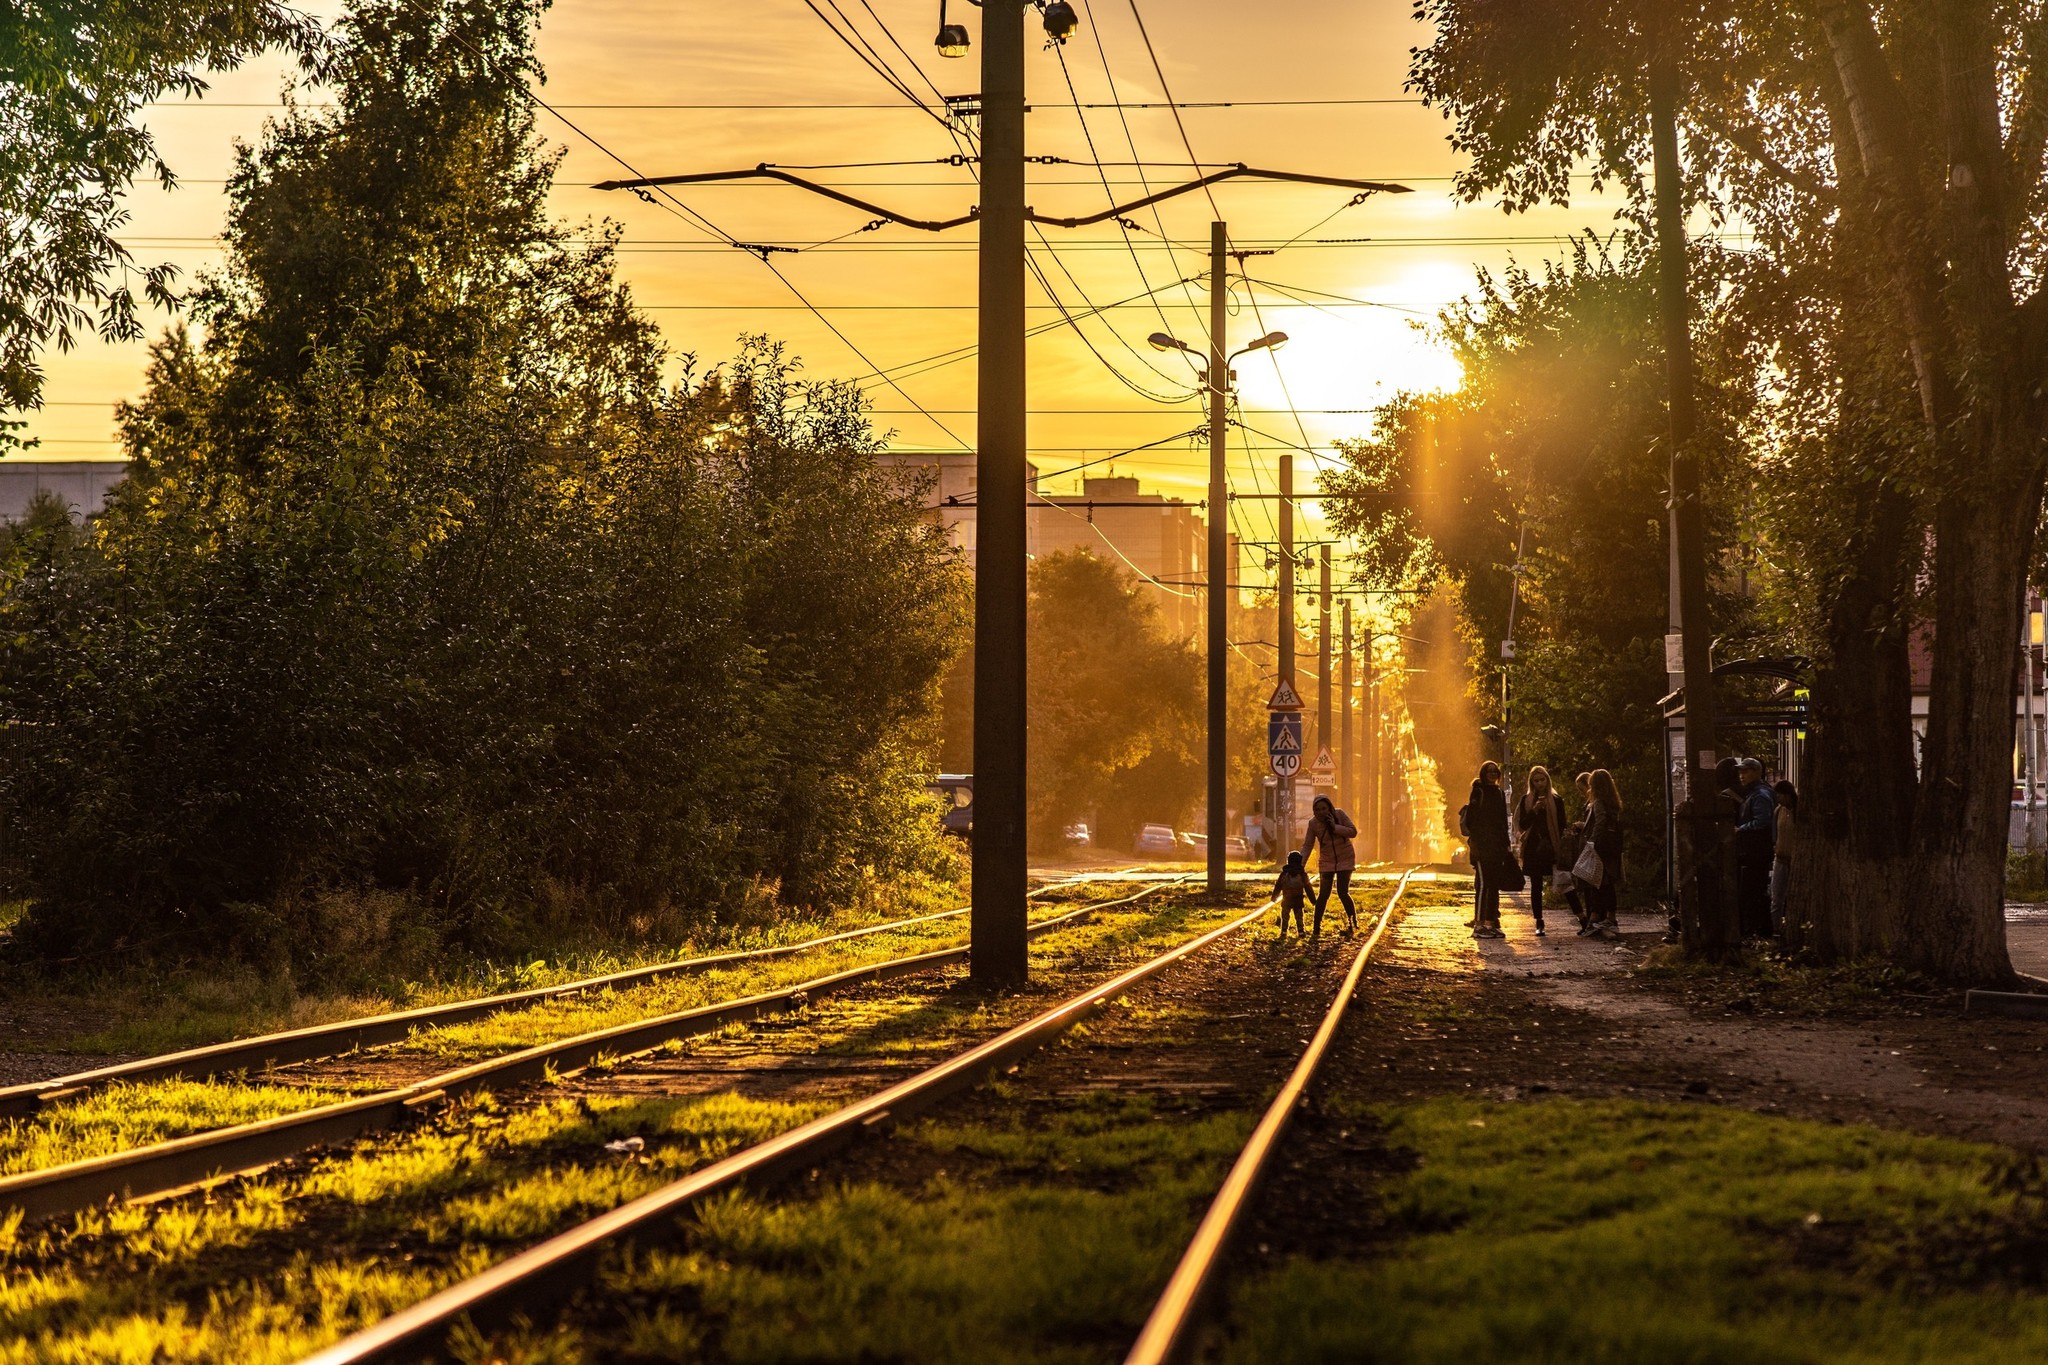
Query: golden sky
(901, 295)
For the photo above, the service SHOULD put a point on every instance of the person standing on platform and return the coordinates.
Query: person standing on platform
(1756, 826)
(1603, 832)
(1486, 840)
(1781, 854)
(1540, 825)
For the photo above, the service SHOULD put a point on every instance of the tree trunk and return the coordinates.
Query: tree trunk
(1850, 868)
(1953, 926)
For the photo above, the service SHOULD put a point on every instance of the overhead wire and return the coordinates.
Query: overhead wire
(1088, 136)
(698, 220)
(1167, 91)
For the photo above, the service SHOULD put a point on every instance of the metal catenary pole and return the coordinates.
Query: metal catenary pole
(1220, 561)
(998, 918)
(1703, 897)
(1347, 771)
(1286, 506)
(1369, 822)
(1323, 650)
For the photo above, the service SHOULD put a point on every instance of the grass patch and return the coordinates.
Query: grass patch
(124, 1116)
(149, 1008)
(1040, 1245)
(288, 1264)
(1574, 1231)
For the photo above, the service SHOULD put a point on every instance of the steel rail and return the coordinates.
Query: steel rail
(346, 1035)
(201, 1157)
(547, 1273)
(1169, 1330)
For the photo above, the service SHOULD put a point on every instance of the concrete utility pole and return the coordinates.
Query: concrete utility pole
(1221, 564)
(1705, 898)
(1323, 651)
(1286, 519)
(997, 918)
(1346, 769)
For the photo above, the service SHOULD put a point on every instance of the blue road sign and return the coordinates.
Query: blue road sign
(1283, 742)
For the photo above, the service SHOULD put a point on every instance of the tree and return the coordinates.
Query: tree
(1551, 451)
(426, 581)
(1908, 133)
(73, 79)
(1116, 705)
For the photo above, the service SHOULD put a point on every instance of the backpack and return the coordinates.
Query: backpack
(1465, 822)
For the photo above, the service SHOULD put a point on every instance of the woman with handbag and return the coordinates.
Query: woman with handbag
(1539, 818)
(1486, 817)
(1599, 864)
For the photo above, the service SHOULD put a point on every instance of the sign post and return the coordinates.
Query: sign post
(1284, 750)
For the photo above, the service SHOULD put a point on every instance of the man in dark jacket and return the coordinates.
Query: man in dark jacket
(1755, 839)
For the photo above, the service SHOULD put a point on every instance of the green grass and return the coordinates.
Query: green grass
(151, 1008)
(1576, 1231)
(134, 1115)
(125, 1116)
(1025, 1245)
(289, 1264)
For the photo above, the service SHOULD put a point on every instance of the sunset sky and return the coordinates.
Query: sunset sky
(767, 81)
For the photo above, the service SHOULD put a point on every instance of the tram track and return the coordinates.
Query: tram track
(204, 1157)
(525, 1286)
(318, 1041)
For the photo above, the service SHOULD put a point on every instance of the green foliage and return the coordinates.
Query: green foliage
(73, 78)
(1611, 1230)
(1556, 436)
(425, 581)
(1116, 704)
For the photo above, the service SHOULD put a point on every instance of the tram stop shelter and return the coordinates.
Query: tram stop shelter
(1760, 709)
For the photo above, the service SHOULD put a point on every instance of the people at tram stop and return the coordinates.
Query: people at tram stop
(1486, 840)
(1330, 832)
(1575, 844)
(1599, 876)
(1290, 888)
(1755, 833)
(1783, 827)
(1540, 826)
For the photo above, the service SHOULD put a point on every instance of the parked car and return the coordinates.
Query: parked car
(1234, 845)
(1156, 840)
(955, 795)
(1076, 835)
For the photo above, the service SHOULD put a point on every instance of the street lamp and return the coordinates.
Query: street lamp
(952, 40)
(1163, 341)
(1060, 21)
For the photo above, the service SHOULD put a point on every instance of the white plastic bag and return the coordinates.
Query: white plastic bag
(1589, 869)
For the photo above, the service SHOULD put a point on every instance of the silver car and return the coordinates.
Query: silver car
(1156, 840)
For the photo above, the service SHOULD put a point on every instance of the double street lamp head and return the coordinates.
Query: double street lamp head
(1161, 341)
(1060, 23)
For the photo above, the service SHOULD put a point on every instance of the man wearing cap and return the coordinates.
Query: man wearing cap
(1755, 835)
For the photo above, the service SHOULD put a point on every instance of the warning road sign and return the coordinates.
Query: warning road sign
(1283, 742)
(1285, 698)
(1325, 770)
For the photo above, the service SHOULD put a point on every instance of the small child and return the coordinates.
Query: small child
(1291, 887)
